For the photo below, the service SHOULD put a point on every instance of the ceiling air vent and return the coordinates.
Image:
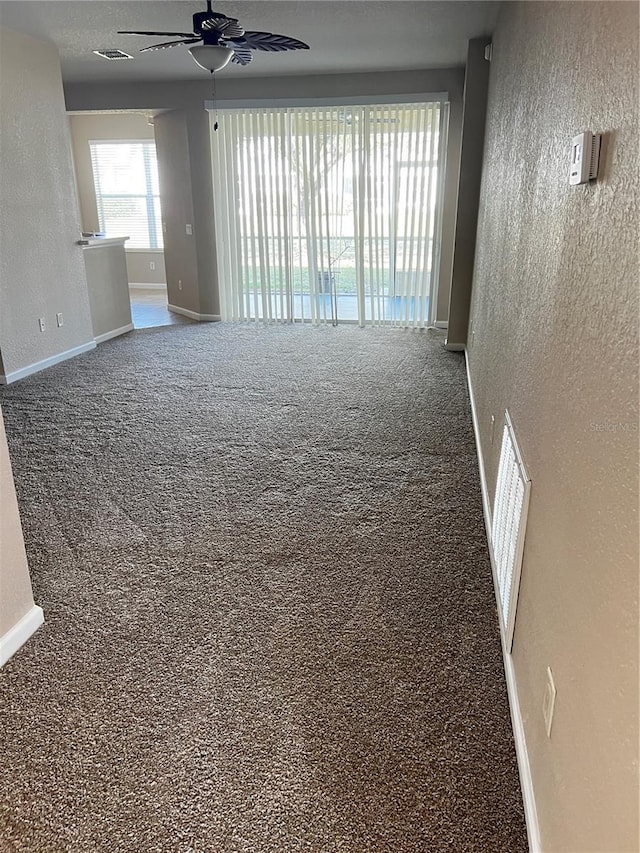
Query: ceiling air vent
(112, 54)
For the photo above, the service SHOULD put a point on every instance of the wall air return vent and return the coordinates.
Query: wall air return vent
(112, 53)
(510, 507)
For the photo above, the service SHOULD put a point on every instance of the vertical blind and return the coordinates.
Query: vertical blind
(125, 176)
(329, 214)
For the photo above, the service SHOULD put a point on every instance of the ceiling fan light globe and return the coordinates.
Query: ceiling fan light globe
(211, 57)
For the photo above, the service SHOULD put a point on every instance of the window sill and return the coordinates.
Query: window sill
(146, 251)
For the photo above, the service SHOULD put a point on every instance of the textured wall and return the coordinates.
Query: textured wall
(16, 598)
(554, 340)
(41, 267)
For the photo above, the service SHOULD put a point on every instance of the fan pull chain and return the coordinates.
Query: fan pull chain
(215, 102)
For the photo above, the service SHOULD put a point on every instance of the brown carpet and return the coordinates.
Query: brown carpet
(270, 623)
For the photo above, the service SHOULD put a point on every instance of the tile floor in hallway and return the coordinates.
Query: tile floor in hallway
(149, 308)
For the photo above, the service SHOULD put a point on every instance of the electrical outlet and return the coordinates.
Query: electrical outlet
(549, 701)
(493, 428)
(59, 320)
(189, 229)
(179, 284)
(42, 324)
(152, 265)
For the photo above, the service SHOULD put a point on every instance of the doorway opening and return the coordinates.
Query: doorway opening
(127, 194)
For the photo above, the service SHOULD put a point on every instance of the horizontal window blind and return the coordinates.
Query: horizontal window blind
(125, 176)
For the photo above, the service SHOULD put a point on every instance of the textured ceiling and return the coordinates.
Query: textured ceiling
(355, 35)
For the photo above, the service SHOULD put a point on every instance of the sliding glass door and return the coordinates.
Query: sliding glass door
(329, 214)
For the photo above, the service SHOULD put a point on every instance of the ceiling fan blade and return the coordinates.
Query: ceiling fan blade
(167, 44)
(270, 41)
(145, 33)
(242, 56)
(228, 26)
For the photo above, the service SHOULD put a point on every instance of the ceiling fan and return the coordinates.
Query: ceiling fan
(223, 39)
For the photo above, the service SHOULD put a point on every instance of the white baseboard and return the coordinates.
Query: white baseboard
(454, 347)
(12, 376)
(100, 339)
(441, 324)
(206, 318)
(486, 506)
(522, 755)
(149, 285)
(18, 635)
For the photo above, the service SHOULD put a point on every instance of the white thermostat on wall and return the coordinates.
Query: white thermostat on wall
(585, 153)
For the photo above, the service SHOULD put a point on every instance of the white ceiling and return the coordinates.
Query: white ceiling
(352, 35)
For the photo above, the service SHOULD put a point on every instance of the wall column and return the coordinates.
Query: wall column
(476, 84)
(199, 141)
(19, 616)
(186, 193)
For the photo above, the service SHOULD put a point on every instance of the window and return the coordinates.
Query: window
(125, 175)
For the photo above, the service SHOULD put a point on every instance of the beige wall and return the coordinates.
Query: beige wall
(41, 265)
(172, 145)
(121, 125)
(554, 340)
(108, 288)
(139, 267)
(473, 119)
(186, 99)
(449, 208)
(16, 598)
(246, 89)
